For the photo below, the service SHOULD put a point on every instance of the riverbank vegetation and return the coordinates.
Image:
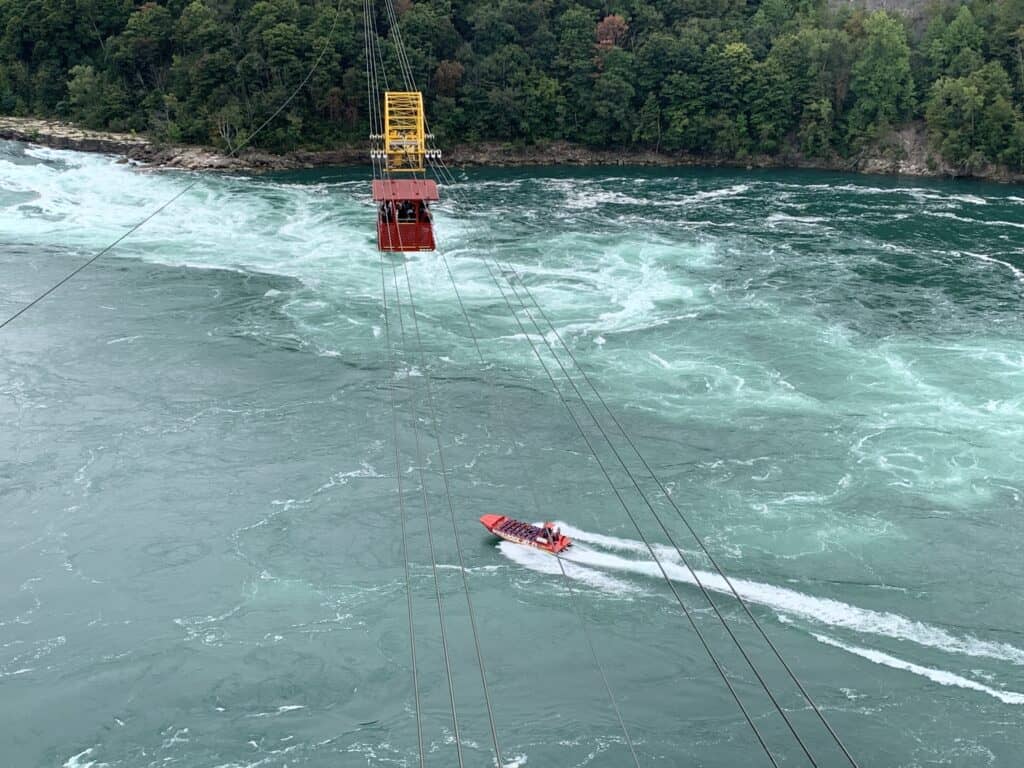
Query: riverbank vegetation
(729, 79)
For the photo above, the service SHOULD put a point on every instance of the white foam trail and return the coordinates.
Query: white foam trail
(983, 222)
(75, 761)
(608, 542)
(660, 361)
(280, 710)
(1019, 274)
(543, 562)
(823, 610)
(715, 194)
(775, 219)
(940, 676)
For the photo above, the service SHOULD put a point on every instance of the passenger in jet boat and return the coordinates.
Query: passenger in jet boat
(550, 534)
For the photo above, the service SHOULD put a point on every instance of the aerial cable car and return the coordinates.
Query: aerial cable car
(403, 215)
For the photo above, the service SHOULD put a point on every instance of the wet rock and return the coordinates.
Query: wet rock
(904, 152)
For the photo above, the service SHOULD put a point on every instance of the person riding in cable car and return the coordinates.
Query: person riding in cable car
(403, 220)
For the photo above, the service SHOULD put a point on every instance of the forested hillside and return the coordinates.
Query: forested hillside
(726, 78)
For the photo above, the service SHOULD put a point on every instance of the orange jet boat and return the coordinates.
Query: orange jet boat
(546, 537)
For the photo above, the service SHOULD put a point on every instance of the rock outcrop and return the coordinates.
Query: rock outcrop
(904, 153)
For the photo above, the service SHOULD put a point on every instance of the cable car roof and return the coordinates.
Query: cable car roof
(405, 189)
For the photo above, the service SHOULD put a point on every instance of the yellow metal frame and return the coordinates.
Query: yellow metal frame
(405, 140)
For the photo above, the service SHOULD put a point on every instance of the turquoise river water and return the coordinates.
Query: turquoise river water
(200, 540)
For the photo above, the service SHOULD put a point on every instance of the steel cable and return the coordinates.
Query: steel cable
(405, 540)
(636, 525)
(444, 475)
(697, 538)
(499, 400)
(373, 85)
(442, 169)
(690, 569)
(398, 467)
(248, 140)
(410, 85)
(426, 515)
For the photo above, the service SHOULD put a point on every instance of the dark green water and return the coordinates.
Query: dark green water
(200, 540)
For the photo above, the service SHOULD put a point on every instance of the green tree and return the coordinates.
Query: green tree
(771, 105)
(648, 129)
(613, 117)
(686, 111)
(728, 77)
(971, 120)
(85, 95)
(574, 63)
(954, 109)
(817, 124)
(881, 83)
(955, 49)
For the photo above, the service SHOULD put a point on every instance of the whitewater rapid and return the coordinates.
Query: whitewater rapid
(825, 370)
(595, 556)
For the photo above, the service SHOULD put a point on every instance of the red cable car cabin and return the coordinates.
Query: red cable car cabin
(403, 220)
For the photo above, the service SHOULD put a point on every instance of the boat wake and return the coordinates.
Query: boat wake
(607, 563)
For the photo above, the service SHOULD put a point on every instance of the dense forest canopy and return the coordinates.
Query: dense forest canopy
(730, 78)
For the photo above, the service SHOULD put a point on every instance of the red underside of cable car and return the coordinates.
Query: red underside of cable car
(403, 216)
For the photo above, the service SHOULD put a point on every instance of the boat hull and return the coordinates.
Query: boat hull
(519, 532)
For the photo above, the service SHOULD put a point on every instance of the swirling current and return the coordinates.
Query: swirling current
(200, 540)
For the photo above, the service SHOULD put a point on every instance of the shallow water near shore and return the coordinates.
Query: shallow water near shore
(201, 529)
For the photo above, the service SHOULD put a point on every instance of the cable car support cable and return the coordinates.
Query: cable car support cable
(671, 585)
(697, 538)
(625, 507)
(372, 88)
(405, 538)
(499, 400)
(383, 167)
(686, 562)
(426, 513)
(401, 493)
(508, 269)
(407, 74)
(410, 85)
(442, 169)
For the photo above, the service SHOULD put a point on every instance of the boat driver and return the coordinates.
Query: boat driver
(550, 533)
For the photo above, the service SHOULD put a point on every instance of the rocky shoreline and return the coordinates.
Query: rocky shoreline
(905, 153)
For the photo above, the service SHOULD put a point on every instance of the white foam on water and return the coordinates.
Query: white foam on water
(717, 194)
(940, 676)
(342, 478)
(776, 219)
(543, 562)
(660, 361)
(972, 199)
(585, 199)
(68, 156)
(79, 761)
(84, 202)
(280, 710)
(1018, 273)
(822, 610)
(982, 222)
